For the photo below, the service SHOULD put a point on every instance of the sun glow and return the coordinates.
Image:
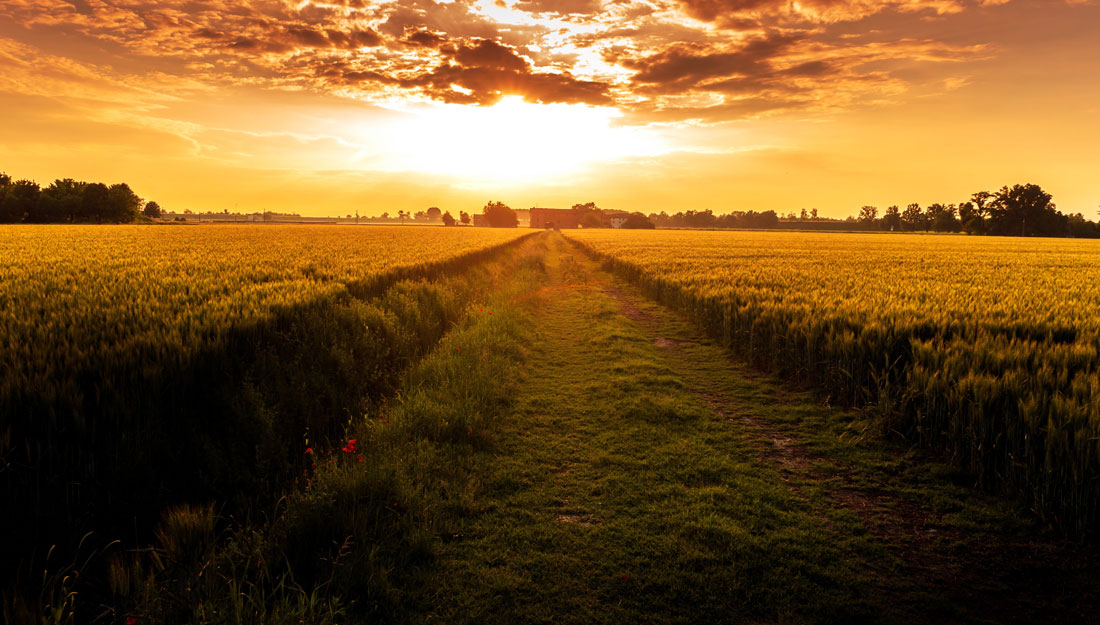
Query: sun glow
(512, 141)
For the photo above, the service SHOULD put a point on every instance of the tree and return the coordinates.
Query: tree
(434, 214)
(448, 219)
(1024, 210)
(942, 218)
(20, 201)
(152, 210)
(420, 216)
(1078, 226)
(766, 219)
(703, 219)
(813, 213)
(971, 219)
(60, 202)
(867, 214)
(499, 215)
(805, 215)
(94, 202)
(591, 219)
(588, 215)
(464, 217)
(913, 219)
(402, 215)
(123, 204)
(5, 182)
(638, 221)
(891, 219)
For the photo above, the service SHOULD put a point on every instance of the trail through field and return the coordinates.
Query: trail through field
(645, 477)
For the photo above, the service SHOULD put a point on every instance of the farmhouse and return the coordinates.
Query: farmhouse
(614, 218)
(553, 218)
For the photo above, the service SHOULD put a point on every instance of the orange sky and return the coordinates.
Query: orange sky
(331, 107)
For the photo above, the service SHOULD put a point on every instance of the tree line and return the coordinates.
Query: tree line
(1019, 210)
(707, 219)
(70, 201)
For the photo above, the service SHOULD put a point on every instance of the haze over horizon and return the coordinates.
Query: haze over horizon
(325, 108)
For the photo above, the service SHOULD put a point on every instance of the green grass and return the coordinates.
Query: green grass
(617, 495)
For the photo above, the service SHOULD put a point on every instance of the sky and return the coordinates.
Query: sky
(332, 107)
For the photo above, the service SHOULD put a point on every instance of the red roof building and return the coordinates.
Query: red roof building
(553, 218)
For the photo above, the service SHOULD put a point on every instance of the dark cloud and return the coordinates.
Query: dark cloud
(307, 37)
(485, 53)
(680, 68)
(353, 39)
(423, 38)
(487, 85)
(810, 68)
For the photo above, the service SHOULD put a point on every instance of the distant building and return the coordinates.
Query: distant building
(553, 218)
(479, 220)
(615, 218)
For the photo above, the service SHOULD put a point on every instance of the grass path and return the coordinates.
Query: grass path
(643, 477)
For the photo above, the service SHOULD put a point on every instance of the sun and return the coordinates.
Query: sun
(513, 141)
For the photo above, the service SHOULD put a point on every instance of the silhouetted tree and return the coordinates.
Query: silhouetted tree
(448, 219)
(95, 202)
(60, 202)
(637, 221)
(402, 215)
(702, 219)
(592, 219)
(913, 219)
(942, 218)
(464, 217)
(970, 218)
(867, 214)
(813, 213)
(123, 204)
(20, 201)
(420, 216)
(891, 219)
(1078, 226)
(589, 215)
(5, 182)
(434, 214)
(152, 211)
(1024, 210)
(766, 219)
(499, 215)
